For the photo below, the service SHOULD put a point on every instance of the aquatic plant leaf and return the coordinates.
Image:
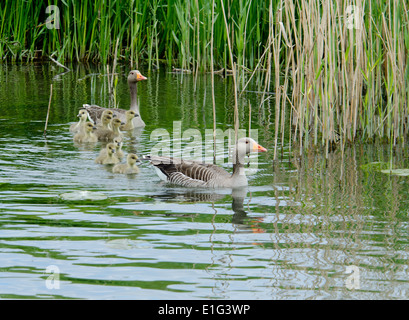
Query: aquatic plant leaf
(126, 244)
(396, 172)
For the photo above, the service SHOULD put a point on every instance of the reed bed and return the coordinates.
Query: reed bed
(175, 32)
(333, 71)
(349, 76)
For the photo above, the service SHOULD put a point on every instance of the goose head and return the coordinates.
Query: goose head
(116, 123)
(118, 142)
(89, 127)
(130, 114)
(247, 145)
(111, 149)
(83, 114)
(135, 76)
(107, 112)
(106, 119)
(131, 159)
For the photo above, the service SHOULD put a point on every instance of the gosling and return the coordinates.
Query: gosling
(130, 114)
(107, 135)
(87, 135)
(107, 155)
(78, 126)
(118, 149)
(98, 122)
(105, 121)
(129, 167)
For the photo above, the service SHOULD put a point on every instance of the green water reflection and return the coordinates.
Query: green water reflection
(290, 235)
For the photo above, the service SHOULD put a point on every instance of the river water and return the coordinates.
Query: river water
(306, 227)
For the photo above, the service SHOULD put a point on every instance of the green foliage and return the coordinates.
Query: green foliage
(335, 80)
(177, 32)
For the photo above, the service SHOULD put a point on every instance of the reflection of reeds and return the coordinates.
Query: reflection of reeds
(332, 79)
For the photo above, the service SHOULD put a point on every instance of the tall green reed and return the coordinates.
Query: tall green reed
(332, 74)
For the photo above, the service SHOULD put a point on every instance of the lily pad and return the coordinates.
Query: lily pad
(396, 172)
(126, 244)
(83, 195)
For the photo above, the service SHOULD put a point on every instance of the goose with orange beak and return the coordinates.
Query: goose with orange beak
(95, 112)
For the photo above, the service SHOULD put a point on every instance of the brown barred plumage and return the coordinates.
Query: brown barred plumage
(198, 174)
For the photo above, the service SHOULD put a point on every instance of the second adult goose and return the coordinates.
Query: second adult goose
(199, 174)
(95, 111)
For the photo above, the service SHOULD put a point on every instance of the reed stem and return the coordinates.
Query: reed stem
(48, 110)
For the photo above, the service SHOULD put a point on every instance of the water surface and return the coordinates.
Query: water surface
(292, 234)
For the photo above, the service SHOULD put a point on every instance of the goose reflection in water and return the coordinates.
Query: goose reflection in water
(240, 218)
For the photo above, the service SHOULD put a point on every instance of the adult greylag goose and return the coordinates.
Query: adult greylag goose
(129, 167)
(76, 127)
(95, 111)
(129, 125)
(106, 117)
(87, 135)
(107, 155)
(108, 135)
(199, 174)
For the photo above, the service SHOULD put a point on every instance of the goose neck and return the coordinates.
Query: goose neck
(238, 161)
(238, 169)
(134, 99)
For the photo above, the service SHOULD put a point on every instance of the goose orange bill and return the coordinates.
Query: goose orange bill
(140, 77)
(259, 148)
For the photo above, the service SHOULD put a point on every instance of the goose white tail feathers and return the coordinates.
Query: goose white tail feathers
(198, 174)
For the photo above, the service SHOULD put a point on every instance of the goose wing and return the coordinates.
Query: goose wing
(187, 173)
(95, 112)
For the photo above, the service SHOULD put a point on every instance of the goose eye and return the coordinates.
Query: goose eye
(247, 142)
